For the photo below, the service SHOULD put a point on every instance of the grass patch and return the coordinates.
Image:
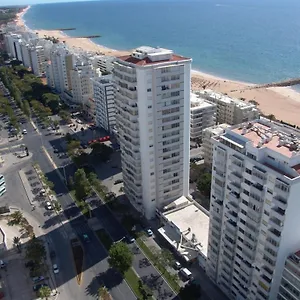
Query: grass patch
(78, 258)
(104, 238)
(169, 277)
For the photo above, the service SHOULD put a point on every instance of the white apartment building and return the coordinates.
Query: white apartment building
(290, 280)
(25, 54)
(207, 143)
(37, 59)
(82, 87)
(153, 120)
(104, 96)
(13, 47)
(203, 115)
(230, 111)
(104, 63)
(254, 208)
(62, 62)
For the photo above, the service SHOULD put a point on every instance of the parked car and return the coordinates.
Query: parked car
(149, 232)
(177, 265)
(24, 131)
(38, 279)
(130, 239)
(86, 238)
(38, 286)
(118, 181)
(48, 205)
(55, 269)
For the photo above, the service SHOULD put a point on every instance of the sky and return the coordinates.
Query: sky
(25, 2)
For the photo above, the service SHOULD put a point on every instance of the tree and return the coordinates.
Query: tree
(71, 182)
(26, 108)
(68, 137)
(72, 147)
(101, 151)
(52, 101)
(35, 250)
(56, 205)
(103, 293)
(271, 117)
(44, 292)
(144, 290)
(65, 116)
(166, 258)
(17, 243)
(120, 257)
(82, 185)
(16, 218)
(204, 183)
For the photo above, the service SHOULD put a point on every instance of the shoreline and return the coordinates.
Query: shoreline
(283, 102)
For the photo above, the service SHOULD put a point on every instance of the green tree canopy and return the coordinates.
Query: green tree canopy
(35, 250)
(120, 257)
(82, 185)
(44, 292)
(204, 183)
(101, 151)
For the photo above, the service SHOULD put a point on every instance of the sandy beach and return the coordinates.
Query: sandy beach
(283, 102)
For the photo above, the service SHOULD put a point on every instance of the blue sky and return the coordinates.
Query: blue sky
(25, 2)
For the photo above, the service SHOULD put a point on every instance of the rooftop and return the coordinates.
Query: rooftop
(197, 102)
(274, 136)
(217, 129)
(145, 55)
(193, 225)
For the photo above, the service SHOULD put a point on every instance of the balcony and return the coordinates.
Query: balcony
(236, 177)
(275, 234)
(233, 206)
(235, 187)
(278, 213)
(280, 202)
(238, 168)
(275, 223)
(231, 226)
(231, 215)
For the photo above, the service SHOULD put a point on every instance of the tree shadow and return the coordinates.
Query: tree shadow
(109, 278)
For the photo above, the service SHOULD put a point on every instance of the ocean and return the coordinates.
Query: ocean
(254, 41)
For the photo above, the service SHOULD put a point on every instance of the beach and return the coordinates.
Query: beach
(282, 102)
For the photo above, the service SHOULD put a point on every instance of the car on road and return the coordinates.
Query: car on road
(38, 279)
(177, 265)
(118, 181)
(55, 150)
(86, 238)
(2, 264)
(24, 131)
(130, 239)
(149, 232)
(38, 286)
(55, 269)
(48, 205)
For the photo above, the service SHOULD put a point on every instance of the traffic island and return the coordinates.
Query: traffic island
(78, 258)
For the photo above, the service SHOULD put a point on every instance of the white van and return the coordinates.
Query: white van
(186, 273)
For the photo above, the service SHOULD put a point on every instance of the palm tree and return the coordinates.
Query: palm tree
(16, 218)
(103, 293)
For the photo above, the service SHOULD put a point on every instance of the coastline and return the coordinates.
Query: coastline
(283, 102)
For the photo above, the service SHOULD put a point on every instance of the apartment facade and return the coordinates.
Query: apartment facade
(104, 63)
(37, 59)
(254, 208)
(203, 115)
(104, 96)
(153, 120)
(207, 143)
(229, 110)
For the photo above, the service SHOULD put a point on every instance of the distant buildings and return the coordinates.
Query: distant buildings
(254, 209)
(230, 111)
(153, 121)
(203, 115)
(104, 63)
(207, 143)
(104, 96)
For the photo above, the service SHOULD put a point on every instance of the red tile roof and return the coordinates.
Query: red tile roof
(147, 61)
(297, 168)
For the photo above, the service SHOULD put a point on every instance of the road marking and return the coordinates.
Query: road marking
(35, 127)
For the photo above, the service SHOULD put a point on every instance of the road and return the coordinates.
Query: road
(105, 216)
(95, 265)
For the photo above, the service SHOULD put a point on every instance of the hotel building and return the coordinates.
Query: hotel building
(37, 59)
(153, 120)
(254, 208)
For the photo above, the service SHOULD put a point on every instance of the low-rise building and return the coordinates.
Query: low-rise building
(203, 115)
(185, 228)
(229, 110)
(207, 144)
(104, 96)
(290, 280)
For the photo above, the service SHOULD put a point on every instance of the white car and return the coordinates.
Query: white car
(55, 269)
(49, 205)
(149, 232)
(24, 131)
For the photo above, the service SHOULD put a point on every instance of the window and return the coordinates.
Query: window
(152, 173)
(148, 90)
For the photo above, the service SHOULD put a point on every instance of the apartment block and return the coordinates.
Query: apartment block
(203, 115)
(254, 208)
(37, 60)
(230, 111)
(290, 280)
(104, 96)
(153, 120)
(104, 63)
(207, 143)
